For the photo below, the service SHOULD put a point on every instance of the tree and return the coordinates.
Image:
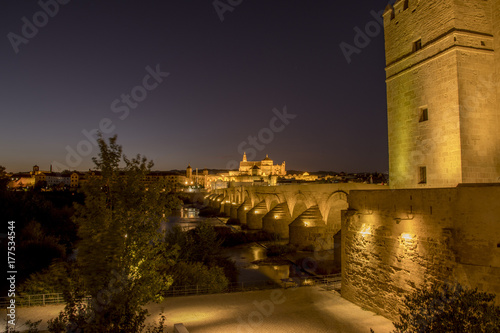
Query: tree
(37, 249)
(121, 259)
(201, 261)
(4, 180)
(448, 308)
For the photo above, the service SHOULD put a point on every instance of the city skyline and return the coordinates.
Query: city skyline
(183, 83)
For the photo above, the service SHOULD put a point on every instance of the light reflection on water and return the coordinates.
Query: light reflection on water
(243, 255)
(187, 218)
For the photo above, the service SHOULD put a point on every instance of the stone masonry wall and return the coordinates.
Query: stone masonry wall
(395, 241)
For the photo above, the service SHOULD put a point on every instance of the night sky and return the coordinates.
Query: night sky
(224, 80)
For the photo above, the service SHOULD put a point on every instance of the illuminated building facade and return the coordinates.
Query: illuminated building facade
(442, 92)
(261, 168)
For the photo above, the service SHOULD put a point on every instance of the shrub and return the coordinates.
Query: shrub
(448, 308)
(196, 273)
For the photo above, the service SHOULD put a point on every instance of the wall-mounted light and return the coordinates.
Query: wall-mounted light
(366, 230)
(406, 236)
(306, 224)
(410, 216)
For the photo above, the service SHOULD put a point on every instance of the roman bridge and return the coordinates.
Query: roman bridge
(304, 214)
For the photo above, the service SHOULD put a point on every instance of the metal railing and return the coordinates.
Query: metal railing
(34, 300)
(329, 282)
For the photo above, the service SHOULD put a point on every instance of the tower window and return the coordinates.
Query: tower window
(424, 115)
(482, 43)
(422, 177)
(417, 45)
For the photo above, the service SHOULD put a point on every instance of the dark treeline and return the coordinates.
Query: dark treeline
(44, 230)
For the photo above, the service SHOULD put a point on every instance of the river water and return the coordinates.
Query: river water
(244, 255)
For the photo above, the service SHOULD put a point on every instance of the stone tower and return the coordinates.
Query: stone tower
(442, 75)
(189, 172)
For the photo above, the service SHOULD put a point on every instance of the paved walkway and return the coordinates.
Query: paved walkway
(306, 309)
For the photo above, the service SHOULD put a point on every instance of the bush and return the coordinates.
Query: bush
(198, 274)
(53, 279)
(448, 308)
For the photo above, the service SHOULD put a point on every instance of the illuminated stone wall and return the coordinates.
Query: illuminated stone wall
(440, 58)
(394, 241)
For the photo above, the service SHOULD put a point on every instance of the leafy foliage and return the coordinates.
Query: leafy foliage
(449, 308)
(200, 257)
(121, 257)
(44, 230)
(196, 273)
(53, 279)
(4, 180)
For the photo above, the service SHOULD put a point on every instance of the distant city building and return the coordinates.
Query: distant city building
(250, 173)
(258, 168)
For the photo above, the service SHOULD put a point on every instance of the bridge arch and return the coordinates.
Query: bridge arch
(298, 204)
(336, 202)
(272, 199)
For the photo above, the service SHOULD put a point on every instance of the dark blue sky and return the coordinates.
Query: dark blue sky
(225, 78)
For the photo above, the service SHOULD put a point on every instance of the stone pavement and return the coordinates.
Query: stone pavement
(305, 309)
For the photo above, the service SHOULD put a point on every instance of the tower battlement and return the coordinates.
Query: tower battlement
(412, 25)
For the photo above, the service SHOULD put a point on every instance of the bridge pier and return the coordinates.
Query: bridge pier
(255, 215)
(226, 206)
(309, 231)
(243, 209)
(277, 221)
(234, 210)
(210, 199)
(331, 199)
